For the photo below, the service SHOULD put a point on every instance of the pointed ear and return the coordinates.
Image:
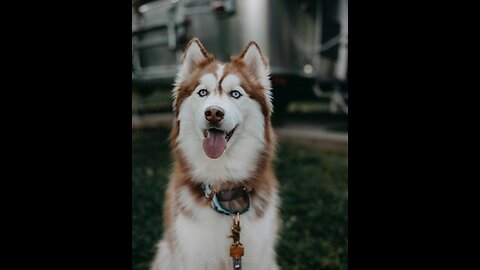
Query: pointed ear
(254, 61)
(257, 65)
(193, 55)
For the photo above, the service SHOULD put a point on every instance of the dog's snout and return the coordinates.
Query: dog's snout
(214, 114)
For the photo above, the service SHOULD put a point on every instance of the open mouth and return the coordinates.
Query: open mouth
(215, 141)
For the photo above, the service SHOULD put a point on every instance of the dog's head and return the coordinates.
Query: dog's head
(222, 109)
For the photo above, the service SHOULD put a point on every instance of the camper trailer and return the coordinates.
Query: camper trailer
(305, 41)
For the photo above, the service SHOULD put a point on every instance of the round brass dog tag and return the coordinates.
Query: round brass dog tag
(236, 251)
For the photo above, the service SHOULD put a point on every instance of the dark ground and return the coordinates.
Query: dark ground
(314, 203)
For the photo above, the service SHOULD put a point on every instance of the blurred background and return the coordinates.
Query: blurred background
(306, 42)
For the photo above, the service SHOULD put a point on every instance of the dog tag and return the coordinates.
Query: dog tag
(236, 250)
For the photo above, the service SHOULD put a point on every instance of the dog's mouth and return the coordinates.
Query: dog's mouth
(215, 141)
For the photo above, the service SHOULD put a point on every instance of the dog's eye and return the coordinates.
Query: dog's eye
(202, 93)
(235, 94)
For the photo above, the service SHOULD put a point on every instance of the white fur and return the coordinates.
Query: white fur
(256, 65)
(220, 70)
(245, 144)
(201, 241)
(193, 55)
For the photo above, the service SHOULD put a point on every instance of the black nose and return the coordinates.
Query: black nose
(214, 114)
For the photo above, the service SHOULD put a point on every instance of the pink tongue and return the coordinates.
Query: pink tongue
(214, 144)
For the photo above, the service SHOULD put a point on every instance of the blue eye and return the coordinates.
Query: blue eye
(202, 93)
(235, 94)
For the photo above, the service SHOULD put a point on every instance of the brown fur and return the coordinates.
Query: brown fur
(263, 180)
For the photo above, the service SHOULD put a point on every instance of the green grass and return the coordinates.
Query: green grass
(314, 203)
(156, 99)
(308, 107)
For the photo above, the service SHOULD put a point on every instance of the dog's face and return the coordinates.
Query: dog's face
(222, 110)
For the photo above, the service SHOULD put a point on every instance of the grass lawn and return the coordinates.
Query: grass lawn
(314, 203)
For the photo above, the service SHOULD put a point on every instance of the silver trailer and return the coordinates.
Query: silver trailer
(305, 41)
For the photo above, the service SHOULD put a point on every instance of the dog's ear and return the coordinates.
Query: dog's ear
(256, 64)
(194, 54)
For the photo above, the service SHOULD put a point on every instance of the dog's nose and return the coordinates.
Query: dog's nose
(214, 114)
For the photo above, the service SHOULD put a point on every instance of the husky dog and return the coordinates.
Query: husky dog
(222, 140)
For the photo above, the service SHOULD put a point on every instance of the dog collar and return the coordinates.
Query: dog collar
(228, 202)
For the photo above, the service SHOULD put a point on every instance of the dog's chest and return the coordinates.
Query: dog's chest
(204, 239)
